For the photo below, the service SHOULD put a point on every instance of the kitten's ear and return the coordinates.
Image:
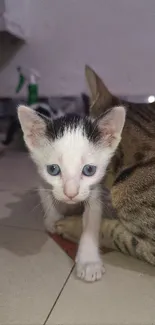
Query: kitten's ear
(33, 127)
(111, 126)
(100, 95)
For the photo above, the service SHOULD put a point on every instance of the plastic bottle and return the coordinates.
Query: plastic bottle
(30, 76)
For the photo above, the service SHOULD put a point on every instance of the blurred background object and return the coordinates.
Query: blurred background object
(114, 37)
(57, 38)
(13, 18)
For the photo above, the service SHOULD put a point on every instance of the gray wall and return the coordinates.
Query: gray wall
(116, 37)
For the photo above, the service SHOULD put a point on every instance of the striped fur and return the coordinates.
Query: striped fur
(130, 179)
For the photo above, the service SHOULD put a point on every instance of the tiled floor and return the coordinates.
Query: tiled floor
(37, 280)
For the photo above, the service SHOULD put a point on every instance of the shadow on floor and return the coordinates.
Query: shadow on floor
(25, 214)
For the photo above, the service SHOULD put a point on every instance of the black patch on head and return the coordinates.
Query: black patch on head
(134, 242)
(55, 129)
(42, 111)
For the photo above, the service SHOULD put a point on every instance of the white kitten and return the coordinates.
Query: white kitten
(72, 154)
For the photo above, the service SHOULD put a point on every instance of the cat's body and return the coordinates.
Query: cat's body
(130, 178)
(72, 154)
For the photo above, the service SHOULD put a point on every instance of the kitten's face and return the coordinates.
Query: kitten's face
(72, 153)
(73, 165)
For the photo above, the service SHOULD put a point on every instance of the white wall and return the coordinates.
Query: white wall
(116, 37)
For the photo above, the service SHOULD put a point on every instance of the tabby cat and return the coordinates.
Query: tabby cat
(130, 179)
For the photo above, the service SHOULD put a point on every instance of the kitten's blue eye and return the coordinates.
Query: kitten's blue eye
(53, 170)
(89, 170)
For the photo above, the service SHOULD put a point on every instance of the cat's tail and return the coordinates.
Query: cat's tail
(115, 235)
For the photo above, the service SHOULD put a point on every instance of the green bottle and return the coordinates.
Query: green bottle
(32, 90)
(30, 76)
(21, 80)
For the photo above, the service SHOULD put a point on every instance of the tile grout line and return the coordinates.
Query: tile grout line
(48, 316)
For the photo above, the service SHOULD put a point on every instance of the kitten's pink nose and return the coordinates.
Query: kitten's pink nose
(71, 196)
(71, 190)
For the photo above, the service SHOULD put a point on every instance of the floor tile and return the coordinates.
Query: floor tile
(125, 295)
(19, 200)
(32, 272)
(17, 171)
(21, 209)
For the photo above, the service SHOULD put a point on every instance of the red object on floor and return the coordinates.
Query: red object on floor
(69, 247)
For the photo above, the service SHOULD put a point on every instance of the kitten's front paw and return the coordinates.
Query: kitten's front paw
(90, 272)
(89, 265)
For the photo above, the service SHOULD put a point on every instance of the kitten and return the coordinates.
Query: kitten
(72, 154)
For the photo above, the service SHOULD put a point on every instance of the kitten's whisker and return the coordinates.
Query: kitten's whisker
(34, 189)
(45, 189)
(36, 206)
(99, 199)
(27, 189)
(47, 209)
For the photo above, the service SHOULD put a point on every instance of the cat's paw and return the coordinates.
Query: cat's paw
(89, 265)
(90, 272)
